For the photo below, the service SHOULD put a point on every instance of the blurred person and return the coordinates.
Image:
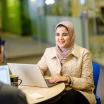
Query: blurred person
(2, 56)
(69, 63)
(11, 95)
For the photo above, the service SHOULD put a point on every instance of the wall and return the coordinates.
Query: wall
(38, 20)
(13, 12)
(11, 16)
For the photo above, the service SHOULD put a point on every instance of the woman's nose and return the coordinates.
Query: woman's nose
(60, 37)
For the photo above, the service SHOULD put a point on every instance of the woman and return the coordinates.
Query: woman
(67, 62)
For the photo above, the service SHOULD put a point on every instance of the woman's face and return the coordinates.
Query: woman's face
(62, 37)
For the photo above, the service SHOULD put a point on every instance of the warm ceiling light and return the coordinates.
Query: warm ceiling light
(32, 0)
(82, 2)
(49, 2)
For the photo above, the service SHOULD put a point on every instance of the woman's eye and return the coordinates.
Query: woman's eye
(65, 34)
(57, 34)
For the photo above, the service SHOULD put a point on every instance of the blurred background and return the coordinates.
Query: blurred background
(27, 26)
(28, 23)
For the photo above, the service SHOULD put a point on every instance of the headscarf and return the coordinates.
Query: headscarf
(63, 53)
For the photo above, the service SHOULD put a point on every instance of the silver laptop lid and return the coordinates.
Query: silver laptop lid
(29, 73)
(4, 74)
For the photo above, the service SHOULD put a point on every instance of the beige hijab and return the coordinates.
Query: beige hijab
(63, 53)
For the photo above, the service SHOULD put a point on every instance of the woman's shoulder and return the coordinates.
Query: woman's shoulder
(81, 49)
(50, 49)
(50, 52)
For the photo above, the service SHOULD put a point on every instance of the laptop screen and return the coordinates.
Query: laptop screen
(4, 74)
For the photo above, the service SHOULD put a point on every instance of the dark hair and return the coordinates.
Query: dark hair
(11, 95)
(61, 25)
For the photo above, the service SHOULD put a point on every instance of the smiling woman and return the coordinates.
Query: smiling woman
(69, 63)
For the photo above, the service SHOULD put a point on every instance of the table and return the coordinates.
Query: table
(38, 95)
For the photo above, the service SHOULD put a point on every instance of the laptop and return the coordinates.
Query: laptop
(4, 74)
(30, 74)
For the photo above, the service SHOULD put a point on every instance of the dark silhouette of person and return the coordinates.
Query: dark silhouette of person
(11, 95)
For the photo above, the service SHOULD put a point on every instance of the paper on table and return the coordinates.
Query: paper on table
(36, 95)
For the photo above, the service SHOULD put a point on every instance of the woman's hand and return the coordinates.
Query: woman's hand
(59, 78)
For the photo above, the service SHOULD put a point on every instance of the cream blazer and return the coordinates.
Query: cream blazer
(78, 66)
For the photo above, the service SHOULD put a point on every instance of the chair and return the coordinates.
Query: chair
(96, 73)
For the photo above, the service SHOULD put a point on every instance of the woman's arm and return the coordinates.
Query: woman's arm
(85, 82)
(42, 63)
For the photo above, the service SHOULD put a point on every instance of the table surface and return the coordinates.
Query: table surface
(36, 94)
